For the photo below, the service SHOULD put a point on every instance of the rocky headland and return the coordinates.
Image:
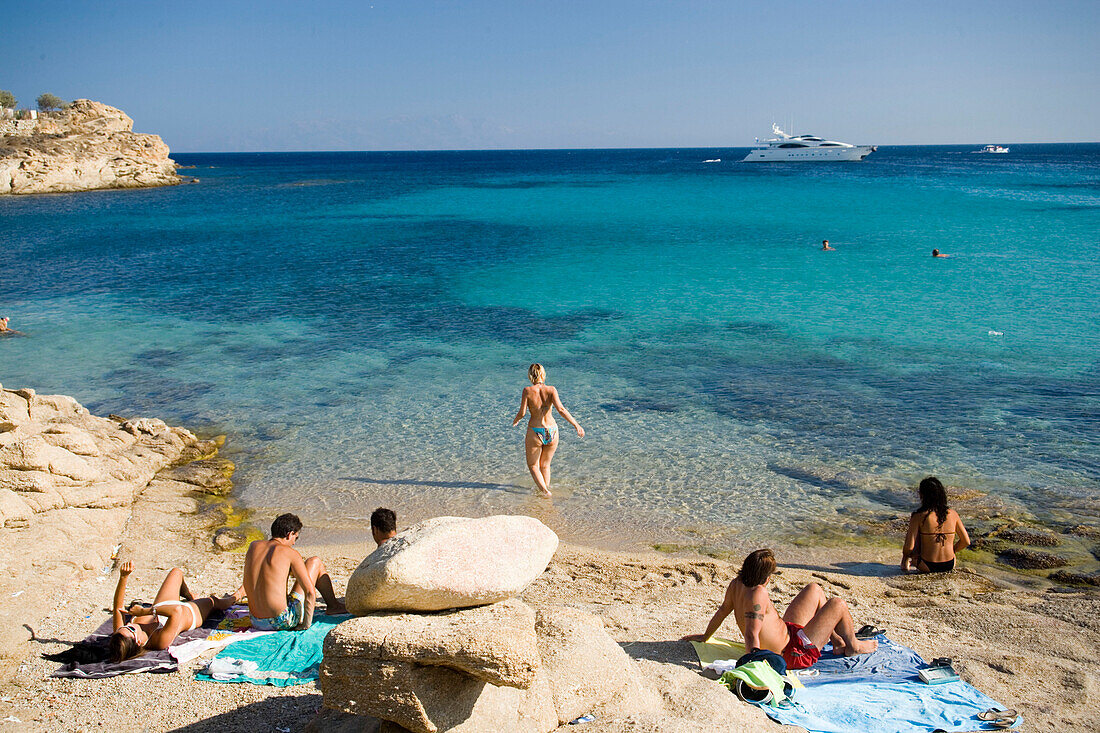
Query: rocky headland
(87, 146)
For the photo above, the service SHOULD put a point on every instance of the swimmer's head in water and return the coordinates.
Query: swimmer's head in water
(935, 253)
(536, 373)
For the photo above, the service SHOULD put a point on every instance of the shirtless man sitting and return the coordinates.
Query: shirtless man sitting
(383, 525)
(801, 634)
(268, 565)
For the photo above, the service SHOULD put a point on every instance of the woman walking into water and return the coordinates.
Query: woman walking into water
(542, 432)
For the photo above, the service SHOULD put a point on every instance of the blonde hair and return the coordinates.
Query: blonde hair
(536, 373)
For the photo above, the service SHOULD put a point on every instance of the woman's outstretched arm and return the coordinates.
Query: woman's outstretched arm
(124, 571)
(522, 408)
(565, 413)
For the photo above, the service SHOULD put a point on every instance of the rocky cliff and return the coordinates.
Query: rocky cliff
(88, 146)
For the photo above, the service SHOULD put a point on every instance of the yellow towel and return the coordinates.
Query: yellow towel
(717, 648)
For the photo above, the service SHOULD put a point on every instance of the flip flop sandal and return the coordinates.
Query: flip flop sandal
(1003, 724)
(995, 715)
(869, 632)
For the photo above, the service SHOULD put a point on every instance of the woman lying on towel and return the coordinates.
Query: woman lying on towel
(936, 533)
(157, 627)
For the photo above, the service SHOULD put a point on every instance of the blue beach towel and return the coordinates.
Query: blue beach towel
(281, 659)
(881, 692)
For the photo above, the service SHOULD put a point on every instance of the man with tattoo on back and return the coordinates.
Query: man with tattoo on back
(799, 636)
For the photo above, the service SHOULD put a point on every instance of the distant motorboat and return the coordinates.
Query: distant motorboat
(809, 148)
(992, 149)
(713, 160)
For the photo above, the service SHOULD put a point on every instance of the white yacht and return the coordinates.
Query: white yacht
(786, 148)
(992, 149)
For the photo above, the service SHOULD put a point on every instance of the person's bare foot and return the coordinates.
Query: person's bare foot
(860, 647)
(839, 649)
(334, 609)
(545, 492)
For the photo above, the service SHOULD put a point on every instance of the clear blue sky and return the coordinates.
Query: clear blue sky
(395, 75)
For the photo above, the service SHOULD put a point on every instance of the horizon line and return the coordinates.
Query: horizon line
(537, 150)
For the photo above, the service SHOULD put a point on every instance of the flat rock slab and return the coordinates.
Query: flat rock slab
(430, 699)
(452, 562)
(494, 644)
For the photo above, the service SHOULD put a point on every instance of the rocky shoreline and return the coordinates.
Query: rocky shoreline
(86, 147)
(627, 608)
(70, 486)
(1007, 536)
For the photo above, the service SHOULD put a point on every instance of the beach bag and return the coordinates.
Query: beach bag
(758, 683)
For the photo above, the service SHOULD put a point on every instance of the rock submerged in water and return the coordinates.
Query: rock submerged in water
(1078, 579)
(88, 146)
(452, 562)
(210, 476)
(1019, 557)
(1030, 537)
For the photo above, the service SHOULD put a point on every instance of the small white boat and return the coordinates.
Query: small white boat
(810, 148)
(992, 149)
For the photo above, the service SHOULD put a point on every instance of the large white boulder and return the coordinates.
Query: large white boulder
(452, 562)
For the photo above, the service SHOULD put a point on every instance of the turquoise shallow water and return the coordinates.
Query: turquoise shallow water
(360, 325)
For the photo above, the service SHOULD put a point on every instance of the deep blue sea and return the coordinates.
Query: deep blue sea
(360, 324)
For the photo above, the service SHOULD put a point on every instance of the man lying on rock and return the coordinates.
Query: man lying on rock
(268, 565)
(799, 636)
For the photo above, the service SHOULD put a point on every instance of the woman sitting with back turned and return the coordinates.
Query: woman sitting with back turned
(936, 533)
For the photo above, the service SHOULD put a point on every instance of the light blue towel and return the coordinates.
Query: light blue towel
(881, 692)
(282, 659)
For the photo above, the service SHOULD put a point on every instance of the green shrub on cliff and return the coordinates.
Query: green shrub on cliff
(7, 99)
(47, 102)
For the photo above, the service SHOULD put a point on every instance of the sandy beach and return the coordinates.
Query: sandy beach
(1029, 648)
